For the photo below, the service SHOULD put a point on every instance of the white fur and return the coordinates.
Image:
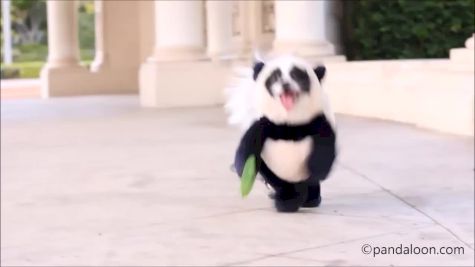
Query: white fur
(287, 159)
(241, 103)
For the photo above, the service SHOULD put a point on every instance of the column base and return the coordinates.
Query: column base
(303, 49)
(99, 62)
(183, 84)
(56, 79)
(74, 81)
(170, 54)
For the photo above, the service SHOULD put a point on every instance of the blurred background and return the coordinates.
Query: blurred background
(29, 37)
(406, 30)
(71, 48)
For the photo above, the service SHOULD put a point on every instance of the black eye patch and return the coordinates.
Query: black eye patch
(274, 77)
(301, 78)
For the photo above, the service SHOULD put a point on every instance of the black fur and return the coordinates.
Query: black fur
(252, 142)
(320, 72)
(290, 197)
(313, 196)
(258, 66)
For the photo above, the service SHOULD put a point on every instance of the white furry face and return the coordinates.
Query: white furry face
(289, 91)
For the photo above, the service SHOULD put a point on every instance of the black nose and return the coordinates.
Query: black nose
(286, 87)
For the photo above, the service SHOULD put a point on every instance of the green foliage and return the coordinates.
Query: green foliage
(24, 69)
(86, 29)
(376, 29)
(30, 52)
(28, 21)
(9, 73)
(86, 6)
(24, 4)
(39, 52)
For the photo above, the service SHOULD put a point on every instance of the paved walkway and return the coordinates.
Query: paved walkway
(100, 181)
(20, 89)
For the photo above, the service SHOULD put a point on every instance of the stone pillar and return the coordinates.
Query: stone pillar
(63, 51)
(179, 30)
(177, 74)
(219, 28)
(63, 43)
(100, 53)
(300, 28)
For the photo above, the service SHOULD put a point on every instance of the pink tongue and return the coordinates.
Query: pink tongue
(287, 101)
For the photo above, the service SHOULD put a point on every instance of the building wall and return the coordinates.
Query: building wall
(436, 94)
(146, 28)
(122, 34)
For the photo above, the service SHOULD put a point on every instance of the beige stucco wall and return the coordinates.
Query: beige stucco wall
(122, 39)
(429, 93)
(146, 28)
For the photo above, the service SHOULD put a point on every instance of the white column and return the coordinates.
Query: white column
(100, 53)
(219, 28)
(179, 30)
(7, 33)
(63, 44)
(300, 28)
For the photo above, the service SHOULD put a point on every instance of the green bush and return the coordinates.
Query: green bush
(23, 69)
(9, 73)
(86, 29)
(30, 52)
(29, 70)
(376, 29)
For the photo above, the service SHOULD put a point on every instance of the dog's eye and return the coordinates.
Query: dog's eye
(298, 74)
(301, 77)
(273, 78)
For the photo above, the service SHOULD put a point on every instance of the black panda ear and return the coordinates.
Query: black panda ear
(320, 72)
(258, 66)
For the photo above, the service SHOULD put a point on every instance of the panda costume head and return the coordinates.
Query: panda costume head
(285, 89)
(288, 90)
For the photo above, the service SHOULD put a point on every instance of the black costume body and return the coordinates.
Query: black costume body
(289, 197)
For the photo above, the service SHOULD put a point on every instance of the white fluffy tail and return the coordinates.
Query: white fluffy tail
(241, 99)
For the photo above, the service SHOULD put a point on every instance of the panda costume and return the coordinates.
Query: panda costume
(288, 126)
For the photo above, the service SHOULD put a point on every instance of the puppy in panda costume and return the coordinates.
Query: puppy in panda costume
(288, 126)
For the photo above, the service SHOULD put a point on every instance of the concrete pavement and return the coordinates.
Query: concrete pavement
(101, 181)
